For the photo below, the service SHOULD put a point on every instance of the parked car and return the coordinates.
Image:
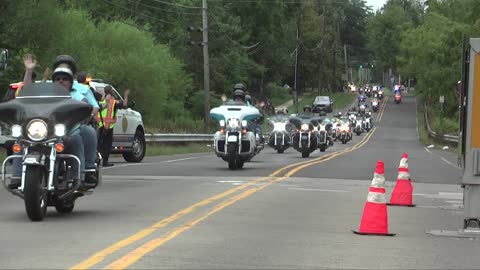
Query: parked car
(322, 103)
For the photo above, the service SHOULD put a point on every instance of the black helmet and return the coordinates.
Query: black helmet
(239, 86)
(248, 98)
(307, 108)
(65, 59)
(239, 93)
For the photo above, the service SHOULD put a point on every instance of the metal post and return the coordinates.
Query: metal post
(206, 65)
(296, 68)
(346, 66)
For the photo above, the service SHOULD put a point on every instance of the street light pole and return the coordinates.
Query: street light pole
(206, 65)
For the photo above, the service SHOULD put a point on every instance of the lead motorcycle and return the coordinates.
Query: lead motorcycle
(40, 119)
(236, 141)
(279, 138)
(305, 139)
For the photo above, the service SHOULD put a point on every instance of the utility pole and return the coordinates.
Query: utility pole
(206, 65)
(296, 69)
(346, 66)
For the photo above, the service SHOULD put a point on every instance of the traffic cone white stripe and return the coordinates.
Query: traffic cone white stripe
(378, 180)
(375, 197)
(404, 175)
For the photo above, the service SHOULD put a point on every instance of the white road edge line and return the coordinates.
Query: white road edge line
(160, 162)
(442, 158)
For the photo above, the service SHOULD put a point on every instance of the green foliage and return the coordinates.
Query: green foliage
(279, 94)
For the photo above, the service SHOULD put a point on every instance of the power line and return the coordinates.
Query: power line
(162, 9)
(176, 5)
(139, 13)
(229, 38)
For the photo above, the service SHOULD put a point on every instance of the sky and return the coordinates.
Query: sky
(376, 4)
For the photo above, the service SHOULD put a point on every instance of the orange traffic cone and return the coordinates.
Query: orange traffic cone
(375, 218)
(403, 191)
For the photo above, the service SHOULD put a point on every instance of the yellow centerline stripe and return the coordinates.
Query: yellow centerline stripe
(135, 255)
(101, 255)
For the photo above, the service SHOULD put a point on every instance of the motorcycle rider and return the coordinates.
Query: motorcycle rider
(87, 129)
(239, 96)
(62, 75)
(328, 126)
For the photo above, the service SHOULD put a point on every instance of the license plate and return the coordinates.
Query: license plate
(232, 139)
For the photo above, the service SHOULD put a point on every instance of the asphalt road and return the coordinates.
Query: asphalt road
(190, 211)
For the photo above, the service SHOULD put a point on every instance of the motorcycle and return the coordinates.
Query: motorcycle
(41, 118)
(362, 109)
(361, 99)
(358, 129)
(345, 134)
(324, 129)
(367, 122)
(375, 105)
(380, 94)
(305, 139)
(279, 138)
(398, 98)
(236, 142)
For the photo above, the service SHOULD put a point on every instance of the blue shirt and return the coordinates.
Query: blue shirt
(77, 95)
(86, 92)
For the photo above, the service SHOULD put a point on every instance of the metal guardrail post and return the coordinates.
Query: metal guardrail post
(433, 134)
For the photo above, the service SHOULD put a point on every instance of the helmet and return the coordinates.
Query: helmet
(239, 93)
(248, 98)
(307, 108)
(65, 59)
(64, 70)
(239, 86)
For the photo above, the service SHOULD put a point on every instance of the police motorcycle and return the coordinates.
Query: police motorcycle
(324, 128)
(40, 119)
(235, 142)
(380, 94)
(367, 121)
(358, 129)
(361, 99)
(279, 138)
(344, 130)
(305, 139)
(375, 105)
(368, 91)
(362, 108)
(398, 97)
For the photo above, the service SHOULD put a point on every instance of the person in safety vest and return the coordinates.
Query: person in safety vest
(106, 120)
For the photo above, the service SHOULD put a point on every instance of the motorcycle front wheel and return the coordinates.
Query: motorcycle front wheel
(35, 194)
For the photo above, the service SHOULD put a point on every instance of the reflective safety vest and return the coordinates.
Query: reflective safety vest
(107, 114)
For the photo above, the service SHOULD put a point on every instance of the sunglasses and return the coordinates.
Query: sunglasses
(62, 78)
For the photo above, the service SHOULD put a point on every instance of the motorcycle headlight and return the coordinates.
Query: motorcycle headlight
(304, 127)
(37, 130)
(244, 123)
(278, 126)
(374, 103)
(60, 130)
(233, 123)
(16, 131)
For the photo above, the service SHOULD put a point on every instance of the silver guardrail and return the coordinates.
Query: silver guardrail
(171, 137)
(433, 134)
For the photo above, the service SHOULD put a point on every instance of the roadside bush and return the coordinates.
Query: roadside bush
(278, 93)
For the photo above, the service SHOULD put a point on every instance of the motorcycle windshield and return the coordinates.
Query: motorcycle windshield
(235, 110)
(47, 101)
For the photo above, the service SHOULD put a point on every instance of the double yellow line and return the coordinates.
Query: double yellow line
(136, 254)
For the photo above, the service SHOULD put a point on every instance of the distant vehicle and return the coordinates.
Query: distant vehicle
(322, 103)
